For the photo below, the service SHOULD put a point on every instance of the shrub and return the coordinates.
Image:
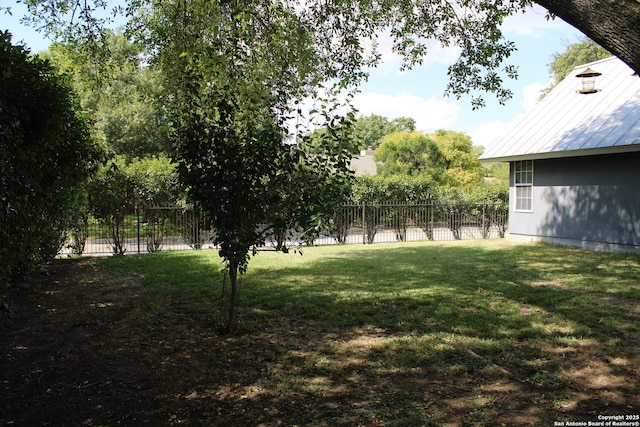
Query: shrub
(46, 156)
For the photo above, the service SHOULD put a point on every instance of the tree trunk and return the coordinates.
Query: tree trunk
(613, 24)
(233, 297)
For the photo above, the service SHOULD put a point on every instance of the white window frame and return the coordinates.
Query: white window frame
(523, 184)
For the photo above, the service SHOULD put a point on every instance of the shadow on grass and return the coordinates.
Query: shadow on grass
(428, 334)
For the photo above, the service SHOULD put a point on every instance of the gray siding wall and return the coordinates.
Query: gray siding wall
(591, 201)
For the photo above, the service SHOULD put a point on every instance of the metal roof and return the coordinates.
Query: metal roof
(567, 123)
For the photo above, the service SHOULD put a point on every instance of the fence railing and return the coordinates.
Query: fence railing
(389, 222)
(177, 228)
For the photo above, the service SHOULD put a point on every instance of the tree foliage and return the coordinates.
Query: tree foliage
(413, 24)
(462, 169)
(233, 72)
(123, 97)
(446, 158)
(371, 129)
(409, 153)
(46, 155)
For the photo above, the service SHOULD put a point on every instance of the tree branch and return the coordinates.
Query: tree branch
(613, 24)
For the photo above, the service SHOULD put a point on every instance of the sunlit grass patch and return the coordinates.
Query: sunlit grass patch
(379, 333)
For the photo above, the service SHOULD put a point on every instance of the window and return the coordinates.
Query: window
(523, 179)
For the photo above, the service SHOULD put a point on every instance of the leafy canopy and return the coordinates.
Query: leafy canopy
(447, 157)
(409, 153)
(341, 28)
(371, 129)
(461, 164)
(124, 97)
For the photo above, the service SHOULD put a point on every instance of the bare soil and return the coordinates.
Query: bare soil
(77, 349)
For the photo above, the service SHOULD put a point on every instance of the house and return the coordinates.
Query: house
(575, 162)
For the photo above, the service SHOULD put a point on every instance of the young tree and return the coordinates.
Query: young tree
(46, 156)
(233, 71)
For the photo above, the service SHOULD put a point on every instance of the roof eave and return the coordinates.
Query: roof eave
(563, 154)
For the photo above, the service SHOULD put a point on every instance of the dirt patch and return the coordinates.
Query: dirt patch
(78, 349)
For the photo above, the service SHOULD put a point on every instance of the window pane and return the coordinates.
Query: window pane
(524, 172)
(523, 198)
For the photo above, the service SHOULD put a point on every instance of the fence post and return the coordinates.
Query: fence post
(364, 224)
(432, 225)
(138, 227)
(484, 232)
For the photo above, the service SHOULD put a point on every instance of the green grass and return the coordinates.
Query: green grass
(478, 312)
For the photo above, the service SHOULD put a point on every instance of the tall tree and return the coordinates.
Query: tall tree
(447, 158)
(462, 167)
(123, 97)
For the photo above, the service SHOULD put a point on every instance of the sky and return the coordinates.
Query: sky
(419, 93)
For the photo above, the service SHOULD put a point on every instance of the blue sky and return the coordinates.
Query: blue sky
(419, 93)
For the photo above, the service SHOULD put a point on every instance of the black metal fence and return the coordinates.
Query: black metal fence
(177, 228)
(390, 222)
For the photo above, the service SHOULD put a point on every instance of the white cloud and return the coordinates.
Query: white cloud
(489, 133)
(531, 94)
(533, 22)
(429, 113)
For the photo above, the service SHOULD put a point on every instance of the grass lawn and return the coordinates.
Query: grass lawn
(460, 333)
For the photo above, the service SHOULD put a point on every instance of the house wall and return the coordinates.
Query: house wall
(591, 201)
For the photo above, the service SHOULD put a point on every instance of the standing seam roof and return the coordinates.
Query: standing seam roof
(567, 123)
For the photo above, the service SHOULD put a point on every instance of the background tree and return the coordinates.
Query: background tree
(411, 154)
(46, 156)
(156, 190)
(462, 169)
(574, 55)
(371, 129)
(123, 97)
(111, 198)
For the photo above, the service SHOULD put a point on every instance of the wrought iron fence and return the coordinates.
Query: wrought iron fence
(178, 228)
(140, 231)
(390, 222)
